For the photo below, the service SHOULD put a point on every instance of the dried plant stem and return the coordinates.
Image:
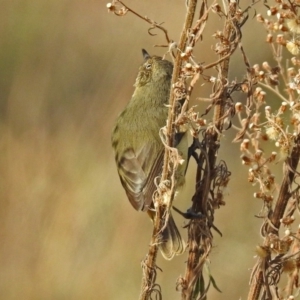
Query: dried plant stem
(284, 193)
(291, 164)
(199, 230)
(149, 275)
(149, 269)
(175, 76)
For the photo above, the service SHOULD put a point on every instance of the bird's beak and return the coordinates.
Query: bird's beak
(145, 54)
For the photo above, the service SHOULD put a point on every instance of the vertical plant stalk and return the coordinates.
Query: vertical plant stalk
(175, 76)
(199, 229)
(149, 287)
(284, 195)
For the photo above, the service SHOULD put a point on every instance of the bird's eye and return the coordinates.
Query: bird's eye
(148, 66)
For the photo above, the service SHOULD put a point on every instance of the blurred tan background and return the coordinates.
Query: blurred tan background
(67, 231)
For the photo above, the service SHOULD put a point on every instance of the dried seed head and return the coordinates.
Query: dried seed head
(279, 121)
(280, 40)
(287, 220)
(172, 46)
(280, 19)
(255, 118)
(269, 182)
(246, 160)
(216, 8)
(251, 175)
(256, 68)
(258, 154)
(257, 91)
(245, 87)
(266, 66)
(272, 11)
(293, 86)
(189, 50)
(184, 56)
(273, 157)
(218, 35)
(268, 198)
(260, 18)
(291, 72)
(181, 161)
(268, 111)
(283, 107)
(295, 61)
(272, 133)
(269, 38)
(259, 195)
(267, 22)
(238, 107)
(261, 97)
(110, 6)
(212, 79)
(273, 79)
(261, 75)
(280, 246)
(283, 5)
(264, 137)
(293, 47)
(283, 28)
(188, 66)
(293, 25)
(275, 26)
(244, 145)
(253, 126)
(201, 122)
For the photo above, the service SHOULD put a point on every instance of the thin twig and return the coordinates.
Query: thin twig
(123, 10)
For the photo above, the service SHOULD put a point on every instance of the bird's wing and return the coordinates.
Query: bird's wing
(137, 175)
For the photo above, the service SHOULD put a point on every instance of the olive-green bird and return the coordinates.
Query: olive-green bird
(139, 150)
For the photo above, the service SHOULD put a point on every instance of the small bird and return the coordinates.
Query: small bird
(139, 150)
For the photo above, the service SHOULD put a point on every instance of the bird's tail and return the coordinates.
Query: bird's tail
(170, 240)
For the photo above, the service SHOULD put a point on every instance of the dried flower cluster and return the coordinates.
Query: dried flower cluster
(286, 26)
(261, 119)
